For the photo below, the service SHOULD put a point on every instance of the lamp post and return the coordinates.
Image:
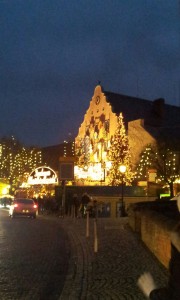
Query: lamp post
(122, 170)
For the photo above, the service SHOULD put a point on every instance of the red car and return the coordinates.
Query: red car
(23, 207)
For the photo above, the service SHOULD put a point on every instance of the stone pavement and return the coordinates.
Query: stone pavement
(112, 272)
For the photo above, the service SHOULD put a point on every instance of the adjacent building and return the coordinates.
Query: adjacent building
(51, 154)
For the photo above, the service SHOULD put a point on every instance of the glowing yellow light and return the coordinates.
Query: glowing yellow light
(108, 164)
(5, 190)
(122, 168)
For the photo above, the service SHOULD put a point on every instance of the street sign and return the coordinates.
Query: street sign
(66, 168)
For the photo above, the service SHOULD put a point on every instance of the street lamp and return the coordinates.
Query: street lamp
(122, 170)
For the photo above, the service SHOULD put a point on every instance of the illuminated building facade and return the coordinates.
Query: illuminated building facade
(143, 121)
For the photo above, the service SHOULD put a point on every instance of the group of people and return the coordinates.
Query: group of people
(172, 292)
(76, 206)
(79, 206)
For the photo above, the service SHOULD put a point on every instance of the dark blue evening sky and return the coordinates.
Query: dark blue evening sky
(54, 52)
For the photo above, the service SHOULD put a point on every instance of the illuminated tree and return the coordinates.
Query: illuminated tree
(16, 160)
(145, 163)
(82, 151)
(119, 154)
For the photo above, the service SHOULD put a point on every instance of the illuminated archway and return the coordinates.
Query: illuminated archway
(42, 176)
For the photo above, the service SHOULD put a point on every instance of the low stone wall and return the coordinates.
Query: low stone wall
(153, 226)
(113, 201)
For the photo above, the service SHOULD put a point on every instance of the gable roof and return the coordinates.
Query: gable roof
(155, 113)
(169, 135)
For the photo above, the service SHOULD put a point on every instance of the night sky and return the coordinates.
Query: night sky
(54, 52)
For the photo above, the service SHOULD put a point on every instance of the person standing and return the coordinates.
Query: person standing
(84, 202)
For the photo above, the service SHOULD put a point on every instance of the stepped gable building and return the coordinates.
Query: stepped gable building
(144, 120)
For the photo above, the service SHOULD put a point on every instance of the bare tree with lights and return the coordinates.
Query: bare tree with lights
(119, 154)
(145, 163)
(164, 160)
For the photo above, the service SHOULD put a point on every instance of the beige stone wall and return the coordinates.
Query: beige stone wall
(139, 138)
(154, 230)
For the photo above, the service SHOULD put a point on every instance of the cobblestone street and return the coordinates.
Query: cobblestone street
(53, 259)
(34, 258)
(112, 272)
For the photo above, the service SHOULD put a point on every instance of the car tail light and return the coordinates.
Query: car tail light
(35, 206)
(15, 205)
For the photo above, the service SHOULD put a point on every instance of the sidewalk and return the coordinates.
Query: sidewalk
(112, 272)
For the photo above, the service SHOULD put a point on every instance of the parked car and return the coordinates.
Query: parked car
(23, 207)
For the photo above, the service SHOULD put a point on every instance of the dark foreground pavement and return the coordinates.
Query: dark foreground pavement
(112, 272)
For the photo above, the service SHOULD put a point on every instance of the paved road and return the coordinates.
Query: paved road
(34, 258)
(34, 255)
